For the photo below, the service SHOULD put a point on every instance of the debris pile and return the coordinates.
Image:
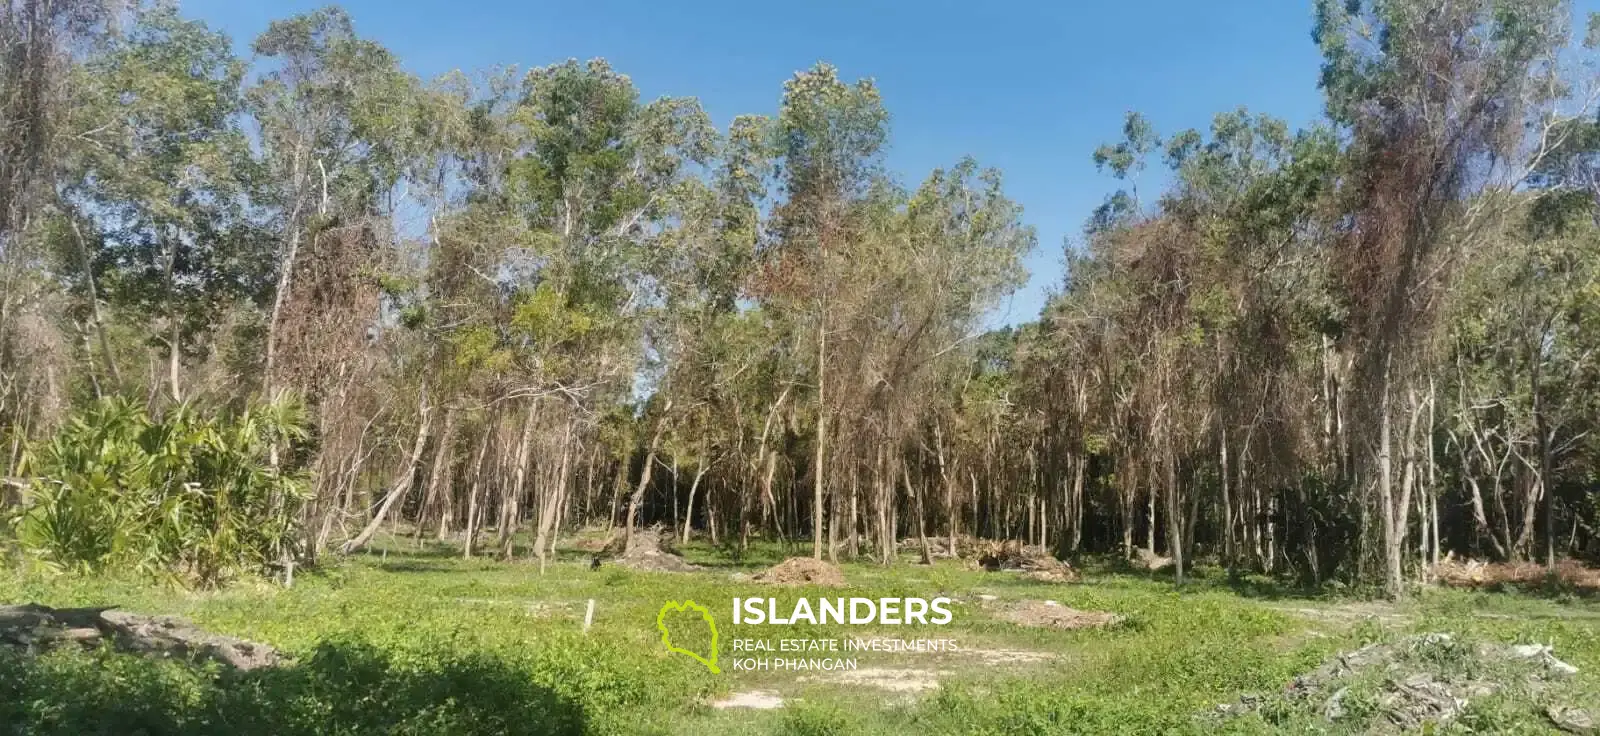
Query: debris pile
(1053, 615)
(1478, 573)
(648, 551)
(1148, 559)
(34, 628)
(1039, 564)
(1408, 684)
(802, 571)
(1046, 569)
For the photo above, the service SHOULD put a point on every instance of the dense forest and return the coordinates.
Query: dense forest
(253, 308)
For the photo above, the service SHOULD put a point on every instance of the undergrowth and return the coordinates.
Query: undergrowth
(416, 640)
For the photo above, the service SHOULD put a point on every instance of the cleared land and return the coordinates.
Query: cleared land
(409, 640)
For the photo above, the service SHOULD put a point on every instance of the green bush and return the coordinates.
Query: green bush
(186, 494)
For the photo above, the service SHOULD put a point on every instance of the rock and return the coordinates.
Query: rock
(1571, 720)
(35, 628)
(1545, 655)
(1333, 710)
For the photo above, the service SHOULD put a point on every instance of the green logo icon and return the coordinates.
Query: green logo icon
(666, 636)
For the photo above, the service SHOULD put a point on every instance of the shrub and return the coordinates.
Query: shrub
(188, 494)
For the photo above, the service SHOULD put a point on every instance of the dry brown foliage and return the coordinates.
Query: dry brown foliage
(1477, 573)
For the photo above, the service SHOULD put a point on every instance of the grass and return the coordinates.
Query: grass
(420, 641)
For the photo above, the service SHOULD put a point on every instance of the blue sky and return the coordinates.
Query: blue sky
(1028, 86)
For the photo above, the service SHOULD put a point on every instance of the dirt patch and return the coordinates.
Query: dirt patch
(884, 678)
(1406, 684)
(802, 571)
(1348, 614)
(754, 699)
(34, 628)
(1477, 573)
(1008, 656)
(1053, 615)
(650, 551)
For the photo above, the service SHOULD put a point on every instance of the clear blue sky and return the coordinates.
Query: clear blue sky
(1028, 86)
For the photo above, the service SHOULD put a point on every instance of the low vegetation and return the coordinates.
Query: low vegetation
(413, 639)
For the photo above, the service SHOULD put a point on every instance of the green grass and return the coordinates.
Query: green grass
(420, 641)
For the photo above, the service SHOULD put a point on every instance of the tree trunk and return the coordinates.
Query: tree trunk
(436, 475)
(402, 482)
(644, 477)
(688, 513)
(552, 495)
(511, 498)
(822, 437)
(473, 492)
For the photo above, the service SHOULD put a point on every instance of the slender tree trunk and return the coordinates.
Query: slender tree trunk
(1394, 579)
(916, 498)
(644, 477)
(822, 436)
(688, 513)
(511, 498)
(439, 471)
(551, 496)
(472, 493)
(402, 482)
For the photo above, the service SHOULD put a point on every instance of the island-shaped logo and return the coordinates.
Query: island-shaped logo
(709, 659)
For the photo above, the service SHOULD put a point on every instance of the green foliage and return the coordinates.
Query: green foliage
(421, 641)
(186, 493)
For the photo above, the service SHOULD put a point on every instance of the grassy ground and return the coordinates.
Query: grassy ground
(419, 641)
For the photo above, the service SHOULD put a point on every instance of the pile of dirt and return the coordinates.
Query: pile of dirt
(34, 628)
(650, 551)
(802, 571)
(1053, 615)
(1406, 684)
(1478, 573)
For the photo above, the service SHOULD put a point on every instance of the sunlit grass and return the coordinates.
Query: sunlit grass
(426, 642)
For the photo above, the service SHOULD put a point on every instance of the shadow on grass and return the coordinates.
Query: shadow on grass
(343, 687)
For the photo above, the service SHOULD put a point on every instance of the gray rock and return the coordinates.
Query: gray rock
(1571, 720)
(35, 628)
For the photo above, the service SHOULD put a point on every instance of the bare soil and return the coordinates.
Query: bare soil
(802, 571)
(1053, 615)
